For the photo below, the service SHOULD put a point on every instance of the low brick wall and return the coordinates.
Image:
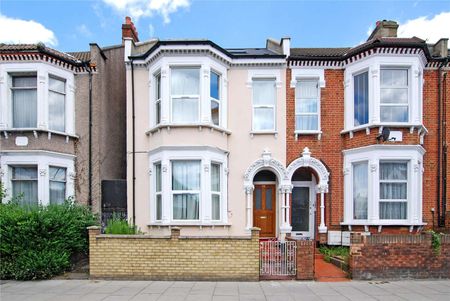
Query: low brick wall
(305, 259)
(384, 256)
(173, 257)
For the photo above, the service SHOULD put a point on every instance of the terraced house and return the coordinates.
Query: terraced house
(62, 122)
(310, 143)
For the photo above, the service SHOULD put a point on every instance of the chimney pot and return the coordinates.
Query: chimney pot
(129, 30)
(384, 28)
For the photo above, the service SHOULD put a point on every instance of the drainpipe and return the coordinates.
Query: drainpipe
(444, 148)
(89, 70)
(441, 149)
(133, 141)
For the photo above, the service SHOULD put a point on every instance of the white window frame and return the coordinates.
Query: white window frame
(206, 155)
(218, 193)
(43, 160)
(157, 193)
(374, 64)
(318, 130)
(43, 72)
(273, 107)
(57, 181)
(408, 80)
(12, 89)
(198, 96)
(57, 92)
(196, 191)
(156, 99)
(212, 99)
(206, 64)
(408, 166)
(374, 154)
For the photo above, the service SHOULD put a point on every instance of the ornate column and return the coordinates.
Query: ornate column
(285, 209)
(322, 189)
(249, 212)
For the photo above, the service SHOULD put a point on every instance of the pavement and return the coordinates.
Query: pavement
(91, 290)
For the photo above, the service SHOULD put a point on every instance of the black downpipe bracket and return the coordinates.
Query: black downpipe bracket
(133, 142)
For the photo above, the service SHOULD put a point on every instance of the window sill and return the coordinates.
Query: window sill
(36, 131)
(189, 224)
(200, 126)
(382, 223)
(421, 129)
(274, 133)
(306, 133)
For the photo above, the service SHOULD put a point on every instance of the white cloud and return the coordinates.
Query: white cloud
(427, 28)
(84, 30)
(146, 8)
(25, 31)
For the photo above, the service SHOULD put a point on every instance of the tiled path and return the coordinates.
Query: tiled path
(327, 272)
(80, 290)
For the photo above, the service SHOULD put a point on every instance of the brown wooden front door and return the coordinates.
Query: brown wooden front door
(264, 209)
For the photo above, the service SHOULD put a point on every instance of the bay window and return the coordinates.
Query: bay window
(185, 94)
(24, 101)
(393, 190)
(215, 191)
(361, 99)
(188, 186)
(214, 92)
(307, 106)
(57, 104)
(186, 189)
(264, 104)
(394, 95)
(25, 184)
(158, 98)
(383, 185)
(57, 183)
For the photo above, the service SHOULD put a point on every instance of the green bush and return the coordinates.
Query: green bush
(332, 251)
(37, 242)
(118, 225)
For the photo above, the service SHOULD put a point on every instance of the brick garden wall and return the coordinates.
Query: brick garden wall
(305, 259)
(398, 256)
(173, 257)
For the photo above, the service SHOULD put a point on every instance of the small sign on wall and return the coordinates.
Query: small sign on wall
(21, 141)
(396, 136)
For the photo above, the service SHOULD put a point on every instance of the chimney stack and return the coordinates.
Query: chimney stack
(129, 30)
(385, 29)
(440, 49)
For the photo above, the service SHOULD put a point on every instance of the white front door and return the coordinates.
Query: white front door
(303, 210)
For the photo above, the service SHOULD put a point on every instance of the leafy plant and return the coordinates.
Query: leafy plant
(333, 251)
(436, 241)
(37, 241)
(119, 225)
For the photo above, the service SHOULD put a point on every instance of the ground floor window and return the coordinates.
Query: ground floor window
(188, 185)
(383, 185)
(37, 177)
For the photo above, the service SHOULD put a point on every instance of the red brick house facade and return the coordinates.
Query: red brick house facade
(397, 82)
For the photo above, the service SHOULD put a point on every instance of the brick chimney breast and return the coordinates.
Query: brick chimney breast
(384, 29)
(129, 30)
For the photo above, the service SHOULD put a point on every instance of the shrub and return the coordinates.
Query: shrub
(37, 242)
(118, 225)
(332, 251)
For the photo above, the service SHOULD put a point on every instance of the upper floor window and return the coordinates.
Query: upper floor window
(185, 94)
(394, 95)
(158, 98)
(264, 104)
(361, 98)
(57, 104)
(57, 183)
(215, 191)
(307, 106)
(24, 101)
(214, 92)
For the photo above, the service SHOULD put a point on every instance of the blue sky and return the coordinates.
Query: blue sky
(72, 25)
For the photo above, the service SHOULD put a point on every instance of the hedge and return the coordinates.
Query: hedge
(37, 242)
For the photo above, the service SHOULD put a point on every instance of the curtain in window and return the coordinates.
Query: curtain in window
(215, 191)
(393, 189)
(360, 190)
(186, 177)
(361, 99)
(185, 110)
(57, 104)
(185, 81)
(306, 106)
(25, 184)
(24, 101)
(57, 178)
(264, 105)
